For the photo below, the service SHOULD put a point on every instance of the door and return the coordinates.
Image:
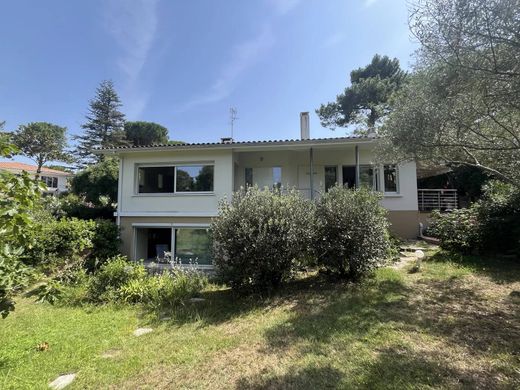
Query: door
(349, 176)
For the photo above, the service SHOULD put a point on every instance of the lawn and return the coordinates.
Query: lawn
(452, 325)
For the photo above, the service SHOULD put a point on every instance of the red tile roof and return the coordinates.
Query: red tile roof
(18, 166)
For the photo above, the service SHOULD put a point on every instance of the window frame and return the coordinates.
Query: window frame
(397, 184)
(174, 166)
(191, 192)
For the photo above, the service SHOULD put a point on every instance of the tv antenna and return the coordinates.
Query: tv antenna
(232, 118)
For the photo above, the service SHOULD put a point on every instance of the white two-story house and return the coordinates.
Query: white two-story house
(168, 194)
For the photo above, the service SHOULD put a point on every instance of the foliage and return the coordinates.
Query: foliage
(351, 232)
(111, 276)
(367, 99)
(259, 235)
(168, 289)
(461, 106)
(74, 206)
(60, 242)
(145, 133)
(19, 195)
(499, 218)
(42, 142)
(489, 225)
(458, 230)
(105, 243)
(105, 124)
(97, 183)
(121, 281)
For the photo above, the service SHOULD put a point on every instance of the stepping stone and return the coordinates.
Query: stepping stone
(140, 331)
(62, 381)
(197, 300)
(166, 318)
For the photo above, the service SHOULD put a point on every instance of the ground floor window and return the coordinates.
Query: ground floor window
(188, 244)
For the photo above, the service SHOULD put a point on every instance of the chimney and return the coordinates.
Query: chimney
(304, 125)
(226, 140)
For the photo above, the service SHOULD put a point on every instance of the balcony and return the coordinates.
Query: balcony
(437, 199)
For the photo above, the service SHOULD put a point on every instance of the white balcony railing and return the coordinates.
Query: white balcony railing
(437, 199)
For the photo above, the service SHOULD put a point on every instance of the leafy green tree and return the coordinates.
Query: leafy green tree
(19, 196)
(42, 142)
(146, 133)
(367, 100)
(104, 126)
(97, 183)
(462, 105)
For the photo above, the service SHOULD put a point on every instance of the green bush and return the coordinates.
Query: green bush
(165, 290)
(74, 206)
(489, 225)
(67, 244)
(258, 236)
(458, 230)
(499, 219)
(105, 243)
(106, 283)
(351, 233)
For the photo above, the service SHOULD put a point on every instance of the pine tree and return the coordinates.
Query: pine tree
(104, 126)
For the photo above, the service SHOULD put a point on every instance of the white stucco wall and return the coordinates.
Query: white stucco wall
(175, 204)
(229, 175)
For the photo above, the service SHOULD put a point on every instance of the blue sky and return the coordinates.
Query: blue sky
(183, 64)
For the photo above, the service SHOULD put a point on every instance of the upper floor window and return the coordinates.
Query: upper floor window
(391, 174)
(50, 182)
(172, 179)
(194, 178)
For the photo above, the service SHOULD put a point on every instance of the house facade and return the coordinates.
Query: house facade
(168, 194)
(55, 181)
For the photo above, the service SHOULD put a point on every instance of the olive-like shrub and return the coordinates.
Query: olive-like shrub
(259, 236)
(351, 232)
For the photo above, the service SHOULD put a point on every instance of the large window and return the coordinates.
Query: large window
(368, 177)
(185, 244)
(193, 245)
(50, 182)
(194, 178)
(331, 177)
(391, 178)
(155, 180)
(171, 179)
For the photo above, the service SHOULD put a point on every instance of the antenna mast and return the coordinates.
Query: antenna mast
(232, 118)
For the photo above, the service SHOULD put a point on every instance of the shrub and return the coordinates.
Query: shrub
(499, 218)
(105, 243)
(258, 237)
(351, 236)
(74, 206)
(458, 230)
(104, 286)
(166, 290)
(60, 242)
(489, 225)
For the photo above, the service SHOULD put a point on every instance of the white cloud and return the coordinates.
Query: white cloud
(282, 7)
(133, 26)
(333, 40)
(243, 56)
(368, 3)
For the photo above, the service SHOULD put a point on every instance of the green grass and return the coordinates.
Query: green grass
(452, 325)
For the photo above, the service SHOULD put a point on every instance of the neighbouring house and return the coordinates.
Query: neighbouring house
(56, 181)
(168, 194)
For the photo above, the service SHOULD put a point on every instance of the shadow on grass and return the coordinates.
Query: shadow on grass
(307, 378)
